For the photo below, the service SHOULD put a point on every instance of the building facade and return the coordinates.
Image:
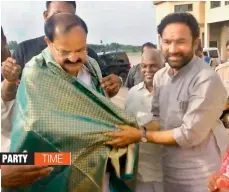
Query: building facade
(213, 18)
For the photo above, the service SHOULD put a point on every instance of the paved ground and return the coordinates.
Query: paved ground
(120, 98)
(134, 59)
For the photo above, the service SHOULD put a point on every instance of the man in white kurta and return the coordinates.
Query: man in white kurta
(139, 103)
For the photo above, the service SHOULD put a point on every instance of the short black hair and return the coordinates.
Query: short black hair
(73, 3)
(2, 33)
(65, 21)
(3, 37)
(227, 43)
(185, 18)
(148, 44)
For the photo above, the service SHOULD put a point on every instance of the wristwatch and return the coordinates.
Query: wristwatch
(144, 137)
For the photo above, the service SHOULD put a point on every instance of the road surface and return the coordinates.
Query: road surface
(120, 98)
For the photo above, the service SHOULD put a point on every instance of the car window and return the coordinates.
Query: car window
(213, 53)
(122, 57)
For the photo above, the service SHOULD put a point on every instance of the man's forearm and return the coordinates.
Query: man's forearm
(161, 137)
(9, 90)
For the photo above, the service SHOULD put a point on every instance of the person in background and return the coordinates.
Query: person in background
(5, 52)
(223, 72)
(138, 103)
(14, 175)
(188, 100)
(10, 72)
(199, 50)
(134, 76)
(30, 48)
(219, 182)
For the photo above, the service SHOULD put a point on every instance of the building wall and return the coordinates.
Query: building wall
(224, 36)
(214, 22)
(164, 8)
(217, 26)
(217, 14)
(167, 7)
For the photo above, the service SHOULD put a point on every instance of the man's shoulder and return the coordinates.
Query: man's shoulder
(204, 74)
(91, 53)
(134, 68)
(29, 42)
(161, 72)
(36, 61)
(198, 67)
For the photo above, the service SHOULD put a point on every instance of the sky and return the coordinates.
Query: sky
(124, 22)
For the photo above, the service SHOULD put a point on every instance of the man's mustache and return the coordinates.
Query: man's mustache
(175, 54)
(69, 62)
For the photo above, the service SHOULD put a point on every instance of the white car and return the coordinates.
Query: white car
(213, 53)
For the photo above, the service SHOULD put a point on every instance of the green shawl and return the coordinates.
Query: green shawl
(56, 113)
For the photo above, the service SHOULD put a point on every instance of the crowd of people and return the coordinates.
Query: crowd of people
(55, 99)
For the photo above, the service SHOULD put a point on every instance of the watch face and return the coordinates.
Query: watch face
(143, 139)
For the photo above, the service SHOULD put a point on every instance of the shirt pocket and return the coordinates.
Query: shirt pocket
(177, 112)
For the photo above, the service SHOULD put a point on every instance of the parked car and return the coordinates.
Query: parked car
(116, 62)
(213, 53)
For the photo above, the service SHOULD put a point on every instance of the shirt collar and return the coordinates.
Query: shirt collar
(48, 57)
(140, 86)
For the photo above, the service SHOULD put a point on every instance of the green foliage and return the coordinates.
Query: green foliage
(114, 47)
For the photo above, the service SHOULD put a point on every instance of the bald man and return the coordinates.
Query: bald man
(139, 101)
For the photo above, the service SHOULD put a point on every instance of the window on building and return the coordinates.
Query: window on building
(213, 44)
(226, 2)
(183, 8)
(215, 4)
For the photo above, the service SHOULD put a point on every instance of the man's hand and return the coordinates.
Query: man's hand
(11, 70)
(111, 84)
(126, 136)
(22, 175)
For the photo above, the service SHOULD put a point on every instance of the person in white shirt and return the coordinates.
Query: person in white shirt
(13, 175)
(139, 100)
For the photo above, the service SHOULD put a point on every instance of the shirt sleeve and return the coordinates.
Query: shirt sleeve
(6, 123)
(155, 101)
(206, 104)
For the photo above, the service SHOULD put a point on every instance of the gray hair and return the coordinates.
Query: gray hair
(154, 55)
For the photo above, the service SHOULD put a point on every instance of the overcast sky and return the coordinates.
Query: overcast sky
(124, 22)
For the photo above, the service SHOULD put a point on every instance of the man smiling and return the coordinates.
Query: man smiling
(188, 100)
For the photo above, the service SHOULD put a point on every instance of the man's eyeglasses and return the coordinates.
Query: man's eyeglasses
(63, 53)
